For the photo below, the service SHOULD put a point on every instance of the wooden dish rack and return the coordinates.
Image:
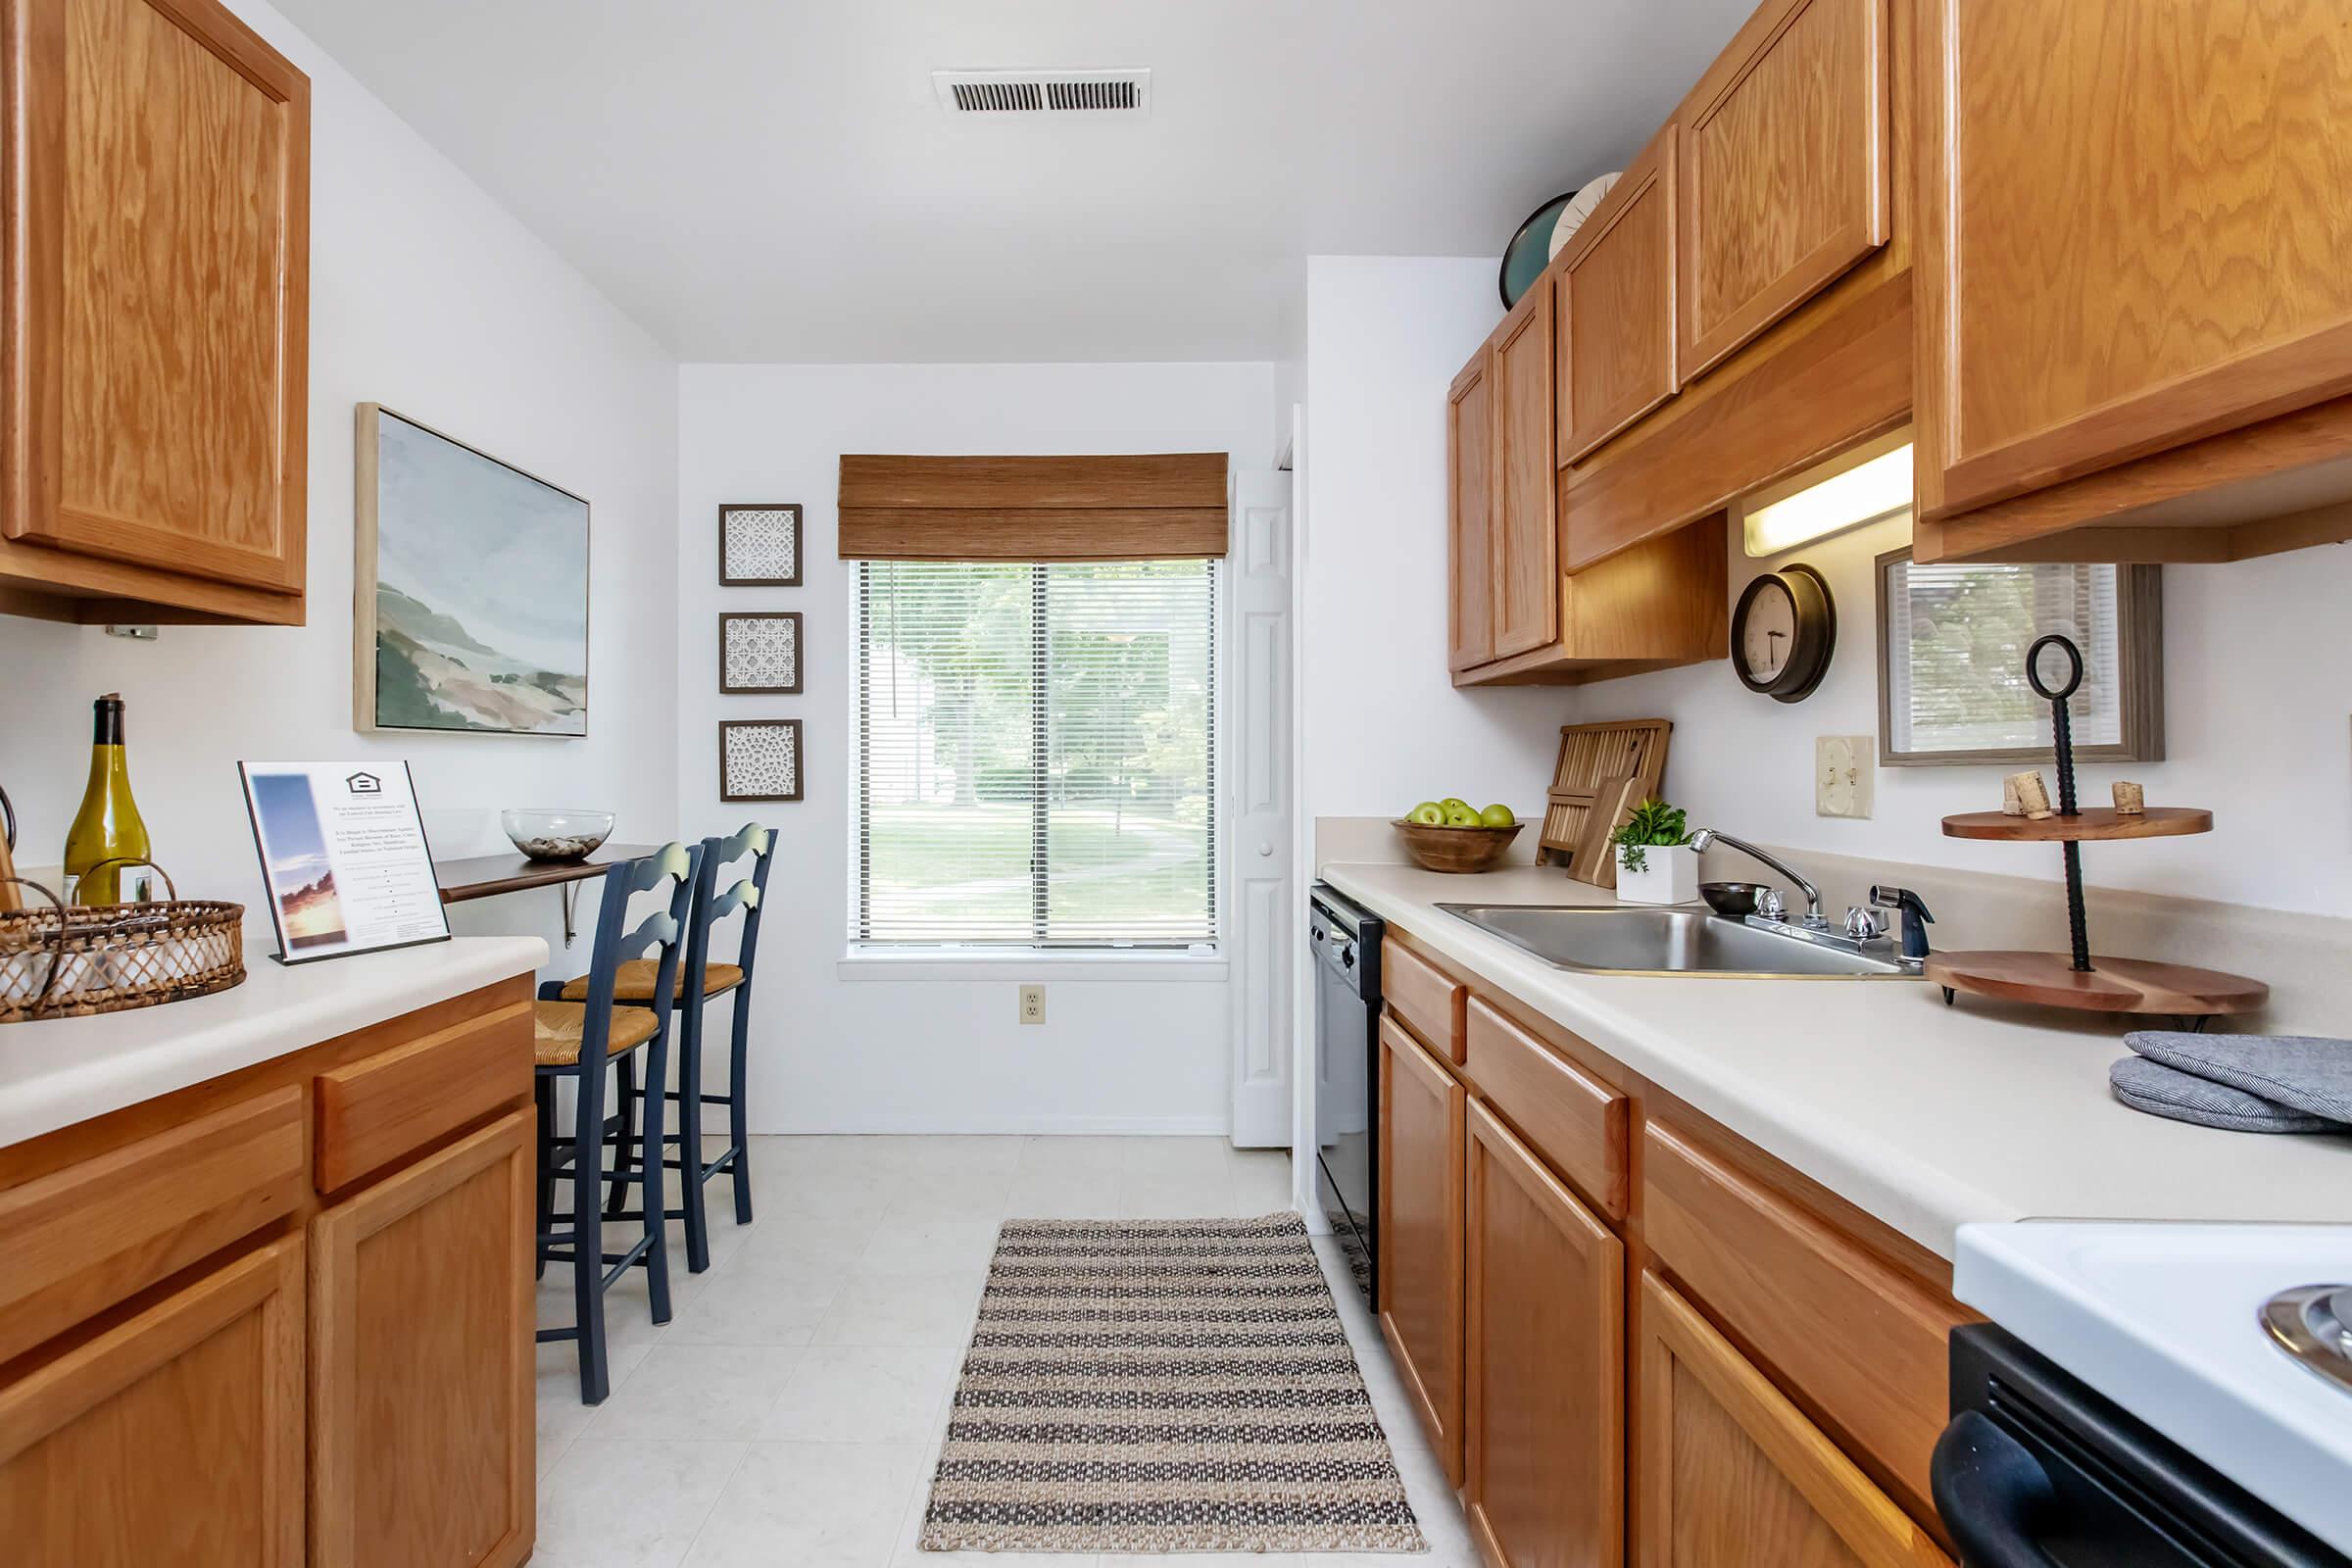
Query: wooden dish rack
(1604, 771)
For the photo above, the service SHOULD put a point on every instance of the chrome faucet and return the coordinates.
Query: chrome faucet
(1707, 835)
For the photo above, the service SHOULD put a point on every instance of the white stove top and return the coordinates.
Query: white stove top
(2165, 1320)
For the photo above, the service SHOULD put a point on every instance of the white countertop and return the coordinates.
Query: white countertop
(1927, 1117)
(58, 1071)
(2164, 1320)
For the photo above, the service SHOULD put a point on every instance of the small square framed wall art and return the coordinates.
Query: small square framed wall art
(759, 652)
(760, 545)
(759, 759)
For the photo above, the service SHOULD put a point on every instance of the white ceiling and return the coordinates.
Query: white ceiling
(774, 180)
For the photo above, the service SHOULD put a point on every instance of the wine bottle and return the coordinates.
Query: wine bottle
(108, 828)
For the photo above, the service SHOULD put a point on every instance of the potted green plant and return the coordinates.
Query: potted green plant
(1655, 863)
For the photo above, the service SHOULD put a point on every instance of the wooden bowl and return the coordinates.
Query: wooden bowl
(1455, 848)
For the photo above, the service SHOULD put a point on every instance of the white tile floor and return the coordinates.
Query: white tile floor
(790, 1414)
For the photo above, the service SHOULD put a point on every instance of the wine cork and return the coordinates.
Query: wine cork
(2130, 799)
(2025, 795)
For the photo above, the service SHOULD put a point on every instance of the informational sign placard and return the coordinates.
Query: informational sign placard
(343, 857)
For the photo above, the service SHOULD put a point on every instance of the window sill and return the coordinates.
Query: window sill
(1039, 965)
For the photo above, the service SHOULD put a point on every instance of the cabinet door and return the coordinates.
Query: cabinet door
(1420, 1232)
(1784, 169)
(156, 288)
(1731, 1471)
(1527, 540)
(174, 1438)
(2132, 232)
(1470, 505)
(422, 1362)
(1616, 306)
(1544, 1421)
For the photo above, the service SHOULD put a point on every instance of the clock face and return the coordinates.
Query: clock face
(1782, 633)
(1768, 637)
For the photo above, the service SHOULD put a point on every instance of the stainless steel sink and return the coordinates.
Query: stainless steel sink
(1671, 940)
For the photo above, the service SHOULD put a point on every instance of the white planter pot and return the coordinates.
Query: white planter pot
(1669, 875)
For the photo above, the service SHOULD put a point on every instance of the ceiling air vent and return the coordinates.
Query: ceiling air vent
(1042, 92)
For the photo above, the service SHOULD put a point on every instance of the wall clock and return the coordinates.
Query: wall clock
(1783, 632)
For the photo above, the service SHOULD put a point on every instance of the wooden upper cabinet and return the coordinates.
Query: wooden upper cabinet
(1615, 286)
(1420, 1229)
(175, 1435)
(1731, 1471)
(1544, 1477)
(2132, 233)
(157, 302)
(1526, 529)
(1470, 504)
(1782, 177)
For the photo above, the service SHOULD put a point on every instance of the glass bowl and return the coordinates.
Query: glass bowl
(556, 833)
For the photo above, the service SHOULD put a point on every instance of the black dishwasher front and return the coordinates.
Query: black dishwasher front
(1346, 943)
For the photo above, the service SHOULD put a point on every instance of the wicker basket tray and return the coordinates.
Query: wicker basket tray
(66, 961)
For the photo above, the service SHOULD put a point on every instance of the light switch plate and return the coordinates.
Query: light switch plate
(1844, 772)
(1033, 1004)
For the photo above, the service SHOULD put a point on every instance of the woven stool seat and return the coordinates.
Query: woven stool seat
(558, 1029)
(634, 981)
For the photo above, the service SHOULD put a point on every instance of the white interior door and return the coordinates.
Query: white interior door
(1262, 916)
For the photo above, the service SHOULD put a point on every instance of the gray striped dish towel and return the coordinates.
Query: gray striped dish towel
(2246, 1083)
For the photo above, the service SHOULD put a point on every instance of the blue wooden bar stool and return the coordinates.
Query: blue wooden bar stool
(579, 1039)
(636, 985)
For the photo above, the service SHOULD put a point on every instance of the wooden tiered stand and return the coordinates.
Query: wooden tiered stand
(2078, 979)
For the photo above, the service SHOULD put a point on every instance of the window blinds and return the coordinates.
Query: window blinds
(1036, 753)
(1139, 506)
(1956, 638)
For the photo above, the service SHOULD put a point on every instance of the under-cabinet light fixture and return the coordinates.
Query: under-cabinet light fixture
(1861, 485)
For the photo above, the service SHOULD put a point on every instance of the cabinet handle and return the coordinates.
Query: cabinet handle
(1993, 1495)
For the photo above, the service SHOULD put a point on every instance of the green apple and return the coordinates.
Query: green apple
(1429, 813)
(1497, 816)
(1460, 816)
(1454, 802)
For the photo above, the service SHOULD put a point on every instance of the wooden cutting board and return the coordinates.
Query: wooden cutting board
(1613, 801)
(1588, 755)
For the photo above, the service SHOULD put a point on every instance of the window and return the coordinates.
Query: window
(1036, 753)
(1952, 643)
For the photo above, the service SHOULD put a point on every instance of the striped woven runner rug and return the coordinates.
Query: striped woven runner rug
(1147, 1385)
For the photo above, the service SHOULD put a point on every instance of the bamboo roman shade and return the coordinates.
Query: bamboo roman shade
(1159, 507)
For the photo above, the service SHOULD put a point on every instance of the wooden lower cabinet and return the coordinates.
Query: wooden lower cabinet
(1420, 1229)
(422, 1361)
(1543, 1424)
(1732, 1472)
(176, 1437)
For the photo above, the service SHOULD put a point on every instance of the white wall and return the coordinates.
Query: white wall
(426, 296)
(2257, 696)
(835, 1053)
(1382, 725)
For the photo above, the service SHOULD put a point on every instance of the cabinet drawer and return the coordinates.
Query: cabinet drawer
(374, 1111)
(1572, 1119)
(1864, 1341)
(80, 1239)
(1417, 992)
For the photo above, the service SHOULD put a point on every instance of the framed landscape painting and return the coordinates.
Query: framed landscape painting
(469, 610)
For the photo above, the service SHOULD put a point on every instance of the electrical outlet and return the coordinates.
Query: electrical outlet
(1844, 769)
(1033, 1004)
